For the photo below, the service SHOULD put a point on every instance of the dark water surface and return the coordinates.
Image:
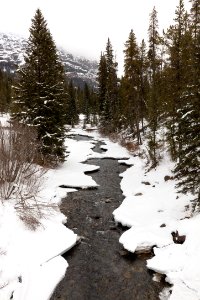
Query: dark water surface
(99, 268)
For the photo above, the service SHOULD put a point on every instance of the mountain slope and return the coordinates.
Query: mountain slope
(79, 69)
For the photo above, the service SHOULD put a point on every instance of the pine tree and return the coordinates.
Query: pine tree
(108, 91)
(195, 29)
(178, 43)
(5, 91)
(154, 73)
(71, 113)
(86, 103)
(143, 82)
(102, 82)
(40, 94)
(132, 81)
(94, 106)
(187, 167)
(112, 88)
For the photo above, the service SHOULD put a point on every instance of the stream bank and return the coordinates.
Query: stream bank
(99, 268)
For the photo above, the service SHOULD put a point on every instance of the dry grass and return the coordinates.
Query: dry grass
(131, 146)
(21, 178)
(90, 129)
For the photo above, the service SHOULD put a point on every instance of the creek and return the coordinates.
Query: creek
(99, 268)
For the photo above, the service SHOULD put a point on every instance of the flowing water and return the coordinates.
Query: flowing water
(99, 268)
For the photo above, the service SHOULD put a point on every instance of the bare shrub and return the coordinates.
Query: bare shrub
(32, 210)
(130, 146)
(124, 141)
(21, 178)
(114, 137)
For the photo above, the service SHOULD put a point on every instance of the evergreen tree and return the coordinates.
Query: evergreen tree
(154, 73)
(195, 31)
(102, 82)
(108, 91)
(79, 100)
(187, 167)
(94, 106)
(124, 120)
(86, 103)
(40, 93)
(143, 82)
(71, 114)
(132, 80)
(5, 91)
(178, 43)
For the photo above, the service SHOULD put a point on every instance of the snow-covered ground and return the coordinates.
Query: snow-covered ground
(153, 210)
(31, 261)
(4, 120)
(31, 264)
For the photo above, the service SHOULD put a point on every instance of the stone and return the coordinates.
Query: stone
(113, 228)
(138, 194)
(128, 275)
(108, 201)
(146, 182)
(178, 239)
(97, 217)
(80, 238)
(167, 177)
(123, 252)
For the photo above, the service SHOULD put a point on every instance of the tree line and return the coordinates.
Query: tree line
(41, 96)
(160, 88)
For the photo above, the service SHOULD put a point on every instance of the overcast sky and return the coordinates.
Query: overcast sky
(83, 26)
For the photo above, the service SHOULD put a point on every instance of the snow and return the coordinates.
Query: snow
(42, 289)
(29, 257)
(153, 210)
(4, 118)
(31, 261)
(32, 256)
(71, 173)
(180, 261)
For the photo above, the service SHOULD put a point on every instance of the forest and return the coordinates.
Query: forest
(159, 89)
(148, 119)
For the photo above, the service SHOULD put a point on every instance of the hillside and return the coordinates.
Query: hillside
(79, 69)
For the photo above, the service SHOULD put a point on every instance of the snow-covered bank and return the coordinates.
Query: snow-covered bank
(180, 261)
(153, 210)
(31, 261)
(4, 120)
(28, 258)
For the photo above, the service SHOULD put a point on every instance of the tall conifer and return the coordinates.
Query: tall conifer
(71, 113)
(178, 50)
(187, 167)
(108, 91)
(153, 97)
(40, 94)
(132, 81)
(143, 82)
(102, 82)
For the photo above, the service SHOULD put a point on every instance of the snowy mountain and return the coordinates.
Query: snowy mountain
(80, 69)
